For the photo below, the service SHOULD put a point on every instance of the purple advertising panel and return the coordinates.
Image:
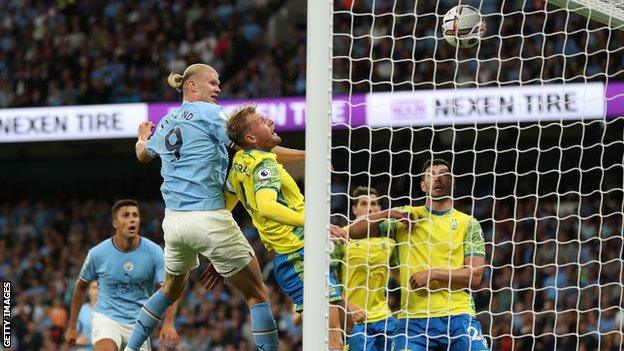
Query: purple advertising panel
(288, 113)
(615, 99)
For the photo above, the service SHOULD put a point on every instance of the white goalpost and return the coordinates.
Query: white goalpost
(531, 121)
(317, 174)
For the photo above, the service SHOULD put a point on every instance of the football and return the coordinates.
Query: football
(463, 26)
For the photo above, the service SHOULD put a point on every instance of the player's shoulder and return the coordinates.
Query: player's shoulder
(151, 246)
(259, 157)
(103, 247)
(205, 109)
(85, 308)
(461, 216)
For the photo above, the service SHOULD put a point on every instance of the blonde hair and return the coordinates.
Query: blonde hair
(237, 124)
(176, 81)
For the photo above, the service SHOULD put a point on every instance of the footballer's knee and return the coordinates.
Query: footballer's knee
(173, 286)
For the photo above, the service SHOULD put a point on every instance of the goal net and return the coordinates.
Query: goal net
(528, 120)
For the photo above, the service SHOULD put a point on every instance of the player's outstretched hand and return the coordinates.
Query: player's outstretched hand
(168, 336)
(210, 278)
(70, 336)
(420, 279)
(145, 130)
(338, 233)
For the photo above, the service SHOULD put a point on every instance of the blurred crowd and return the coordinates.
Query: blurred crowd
(555, 280)
(69, 52)
(43, 245)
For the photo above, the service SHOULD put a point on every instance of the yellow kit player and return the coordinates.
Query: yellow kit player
(441, 256)
(276, 206)
(364, 271)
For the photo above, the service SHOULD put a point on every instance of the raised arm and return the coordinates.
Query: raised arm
(287, 155)
(370, 225)
(145, 130)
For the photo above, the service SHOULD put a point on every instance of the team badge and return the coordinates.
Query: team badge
(454, 224)
(128, 266)
(264, 173)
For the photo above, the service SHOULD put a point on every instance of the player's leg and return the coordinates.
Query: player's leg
(337, 304)
(335, 332)
(105, 333)
(179, 260)
(105, 345)
(232, 256)
(466, 334)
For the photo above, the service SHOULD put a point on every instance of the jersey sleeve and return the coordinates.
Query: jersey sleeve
(88, 272)
(267, 174)
(394, 261)
(391, 227)
(473, 239)
(337, 256)
(152, 146)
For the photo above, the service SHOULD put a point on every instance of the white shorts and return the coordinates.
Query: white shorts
(103, 327)
(213, 234)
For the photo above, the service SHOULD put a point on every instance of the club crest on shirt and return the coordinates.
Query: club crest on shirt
(128, 266)
(264, 173)
(454, 224)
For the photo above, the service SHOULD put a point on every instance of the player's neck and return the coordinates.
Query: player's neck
(439, 205)
(126, 244)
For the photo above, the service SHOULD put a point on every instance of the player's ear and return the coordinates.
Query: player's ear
(250, 139)
(115, 224)
(423, 186)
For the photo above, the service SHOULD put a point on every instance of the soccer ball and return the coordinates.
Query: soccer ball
(462, 26)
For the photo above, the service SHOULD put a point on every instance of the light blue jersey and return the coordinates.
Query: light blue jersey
(126, 279)
(84, 327)
(192, 144)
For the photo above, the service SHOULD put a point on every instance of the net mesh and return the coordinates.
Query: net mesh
(528, 120)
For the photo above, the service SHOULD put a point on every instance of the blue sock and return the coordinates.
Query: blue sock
(149, 318)
(263, 327)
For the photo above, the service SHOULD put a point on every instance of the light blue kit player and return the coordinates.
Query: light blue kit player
(192, 142)
(83, 341)
(127, 268)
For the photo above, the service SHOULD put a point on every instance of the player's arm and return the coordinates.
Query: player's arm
(470, 274)
(287, 155)
(140, 148)
(268, 207)
(78, 298)
(377, 223)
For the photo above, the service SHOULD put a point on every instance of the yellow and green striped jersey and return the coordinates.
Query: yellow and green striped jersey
(437, 240)
(364, 269)
(253, 170)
